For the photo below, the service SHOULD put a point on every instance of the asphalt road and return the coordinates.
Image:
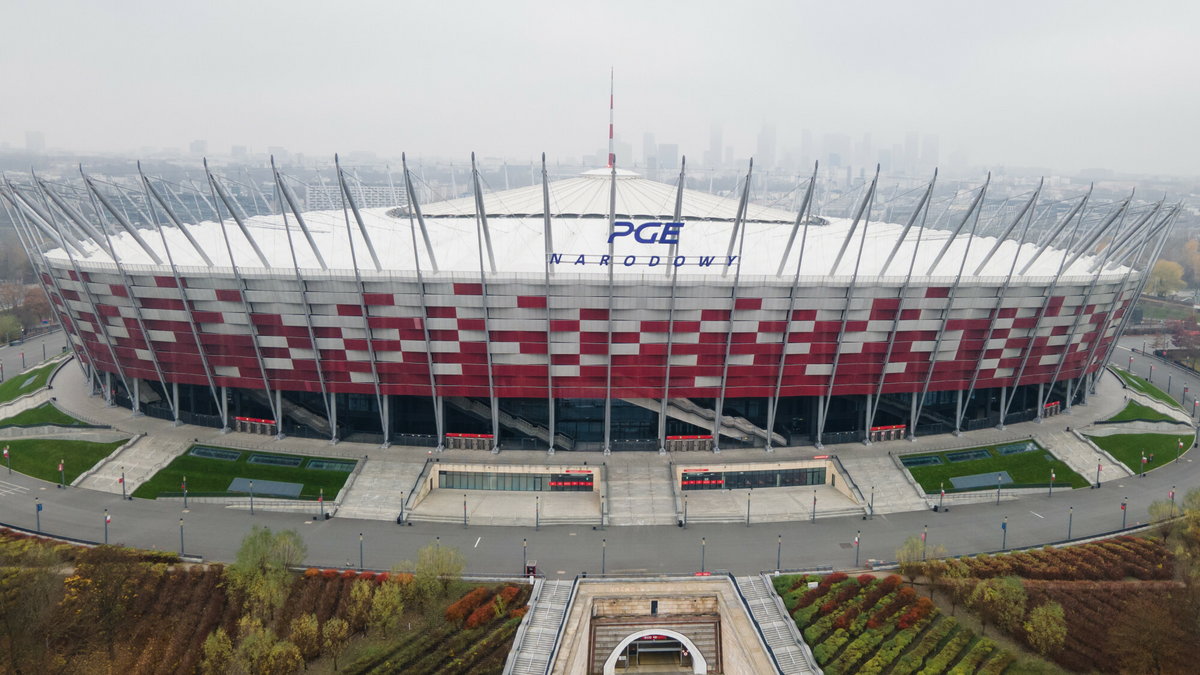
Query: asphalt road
(33, 349)
(563, 551)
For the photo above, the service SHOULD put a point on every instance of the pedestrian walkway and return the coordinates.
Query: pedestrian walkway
(778, 629)
(137, 462)
(531, 656)
(382, 484)
(768, 505)
(641, 490)
(1081, 456)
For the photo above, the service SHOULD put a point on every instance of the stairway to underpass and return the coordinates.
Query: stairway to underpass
(382, 483)
(532, 655)
(778, 629)
(139, 462)
(483, 411)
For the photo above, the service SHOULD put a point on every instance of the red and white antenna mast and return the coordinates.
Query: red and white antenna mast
(612, 157)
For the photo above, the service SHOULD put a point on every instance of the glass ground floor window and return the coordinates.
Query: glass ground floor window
(741, 480)
(515, 482)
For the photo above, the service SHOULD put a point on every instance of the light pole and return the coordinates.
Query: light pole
(857, 536)
(747, 509)
(924, 541)
(1004, 534)
(251, 497)
(524, 555)
(37, 510)
(360, 551)
(603, 555)
(1143, 463)
(537, 511)
(999, 477)
(321, 505)
(872, 502)
(181, 536)
(1171, 494)
(814, 510)
(185, 493)
(1070, 519)
(1124, 504)
(62, 474)
(8, 459)
(401, 508)
(685, 510)
(779, 552)
(1151, 378)
(1169, 376)
(465, 511)
(1130, 369)
(942, 497)
(1099, 466)
(1051, 493)
(123, 496)
(703, 546)
(107, 519)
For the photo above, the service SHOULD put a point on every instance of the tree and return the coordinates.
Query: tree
(1046, 628)
(11, 295)
(306, 635)
(337, 633)
(387, 606)
(283, 659)
(358, 608)
(218, 653)
(999, 601)
(36, 306)
(436, 570)
(10, 327)
(30, 586)
(1166, 278)
(912, 555)
(1148, 637)
(260, 572)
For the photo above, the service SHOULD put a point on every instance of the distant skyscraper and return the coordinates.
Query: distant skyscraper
(198, 148)
(712, 158)
(35, 142)
(239, 151)
(765, 157)
(668, 155)
(808, 150)
(649, 150)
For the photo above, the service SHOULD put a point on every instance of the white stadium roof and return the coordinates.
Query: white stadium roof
(579, 210)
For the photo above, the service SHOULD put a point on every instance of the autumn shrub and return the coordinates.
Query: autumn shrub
(938, 663)
(922, 608)
(329, 574)
(911, 660)
(971, 661)
(367, 576)
(349, 574)
(312, 572)
(482, 615)
(464, 606)
(518, 612)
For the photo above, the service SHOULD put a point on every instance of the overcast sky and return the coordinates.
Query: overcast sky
(1065, 85)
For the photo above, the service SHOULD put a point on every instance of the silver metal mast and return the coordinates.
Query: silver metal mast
(128, 227)
(480, 230)
(435, 397)
(362, 227)
(739, 225)
(802, 218)
(482, 217)
(548, 241)
(612, 220)
(368, 334)
(674, 272)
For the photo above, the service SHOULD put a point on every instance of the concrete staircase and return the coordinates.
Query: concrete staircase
(686, 410)
(779, 631)
(139, 460)
(382, 483)
(531, 656)
(484, 411)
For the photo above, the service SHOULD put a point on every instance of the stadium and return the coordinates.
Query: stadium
(603, 311)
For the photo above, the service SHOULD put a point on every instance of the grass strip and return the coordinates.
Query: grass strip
(39, 457)
(1025, 468)
(212, 476)
(26, 383)
(45, 413)
(1146, 387)
(1159, 449)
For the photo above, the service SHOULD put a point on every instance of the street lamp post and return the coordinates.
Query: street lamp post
(1151, 378)
(185, 493)
(123, 495)
(872, 502)
(1169, 376)
(537, 511)
(1171, 494)
(181, 536)
(685, 511)
(37, 510)
(251, 497)
(62, 474)
(703, 546)
(999, 477)
(747, 508)
(1051, 493)
(779, 552)
(857, 537)
(360, 551)
(1124, 511)
(1004, 534)
(1099, 466)
(1143, 463)
(814, 509)
(8, 458)
(1070, 519)
(924, 541)
(603, 555)
(524, 555)
(106, 519)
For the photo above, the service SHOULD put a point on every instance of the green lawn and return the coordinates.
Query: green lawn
(1137, 411)
(45, 413)
(1025, 469)
(38, 457)
(1128, 448)
(26, 383)
(1166, 311)
(1141, 384)
(212, 476)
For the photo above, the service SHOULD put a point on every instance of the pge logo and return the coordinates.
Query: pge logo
(647, 233)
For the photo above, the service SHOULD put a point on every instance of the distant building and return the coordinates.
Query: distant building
(198, 147)
(668, 155)
(765, 156)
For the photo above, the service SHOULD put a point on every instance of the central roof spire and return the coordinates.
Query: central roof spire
(612, 156)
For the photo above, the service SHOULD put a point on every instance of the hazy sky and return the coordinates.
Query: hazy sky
(1059, 84)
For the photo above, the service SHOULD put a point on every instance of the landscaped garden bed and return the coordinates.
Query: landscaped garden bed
(1022, 463)
(210, 471)
(1135, 411)
(1159, 449)
(26, 383)
(1145, 386)
(40, 457)
(45, 413)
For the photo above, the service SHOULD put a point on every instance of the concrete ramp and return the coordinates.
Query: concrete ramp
(685, 410)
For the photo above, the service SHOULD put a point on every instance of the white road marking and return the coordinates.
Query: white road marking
(477, 542)
(7, 488)
(1038, 515)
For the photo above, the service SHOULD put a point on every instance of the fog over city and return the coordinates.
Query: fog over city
(1065, 86)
